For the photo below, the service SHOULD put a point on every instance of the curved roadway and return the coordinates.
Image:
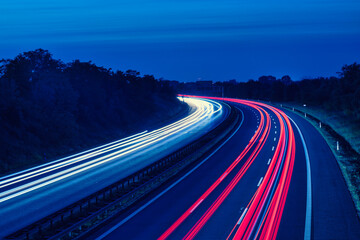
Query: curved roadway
(274, 178)
(32, 194)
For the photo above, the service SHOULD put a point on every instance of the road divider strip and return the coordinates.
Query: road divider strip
(104, 204)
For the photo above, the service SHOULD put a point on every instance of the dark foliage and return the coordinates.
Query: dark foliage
(48, 108)
(333, 94)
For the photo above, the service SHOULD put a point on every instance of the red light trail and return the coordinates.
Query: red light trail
(261, 218)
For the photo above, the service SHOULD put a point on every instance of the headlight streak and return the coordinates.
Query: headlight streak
(204, 109)
(112, 145)
(87, 163)
(35, 173)
(129, 141)
(261, 218)
(25, 172)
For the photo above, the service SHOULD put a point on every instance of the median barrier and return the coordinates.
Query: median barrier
(77, 219)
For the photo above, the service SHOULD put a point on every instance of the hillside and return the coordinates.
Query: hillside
(49, 108)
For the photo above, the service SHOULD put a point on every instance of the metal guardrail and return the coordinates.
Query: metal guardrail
(345, 145)
(78, 218)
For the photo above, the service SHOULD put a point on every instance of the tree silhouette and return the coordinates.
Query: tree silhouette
(49, 107)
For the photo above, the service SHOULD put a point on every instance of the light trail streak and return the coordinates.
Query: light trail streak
(257, 205)
(230, 168)
(171, 186)
(46, 174)
(25, 172)
(203, 220)
(261, 218)
(271, 197)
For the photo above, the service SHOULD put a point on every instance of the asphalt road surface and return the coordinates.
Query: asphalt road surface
(275, 178)
(30, 195)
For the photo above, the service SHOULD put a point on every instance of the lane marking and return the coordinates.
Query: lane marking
(307, 231)
(273, 148)
(269, 161)
(260, 181)
(274, 139)
(223, 176)
(196, 205)
(171, 186)
(242, 216)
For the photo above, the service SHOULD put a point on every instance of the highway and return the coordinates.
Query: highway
(274, 178)
(32, 194)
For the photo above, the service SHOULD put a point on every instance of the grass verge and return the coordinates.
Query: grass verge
(339, 136)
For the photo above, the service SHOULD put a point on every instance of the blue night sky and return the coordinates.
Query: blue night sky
(185, 40)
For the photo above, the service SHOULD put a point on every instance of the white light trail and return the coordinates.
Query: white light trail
(28, 180)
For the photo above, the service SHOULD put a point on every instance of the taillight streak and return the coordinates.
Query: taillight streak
(228, 170)
(265, 209)
(198, 226)
(268, 230)
(274, 213)
(255, 208)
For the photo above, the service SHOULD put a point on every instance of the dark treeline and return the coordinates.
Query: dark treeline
(49, 108)
(333, 94)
